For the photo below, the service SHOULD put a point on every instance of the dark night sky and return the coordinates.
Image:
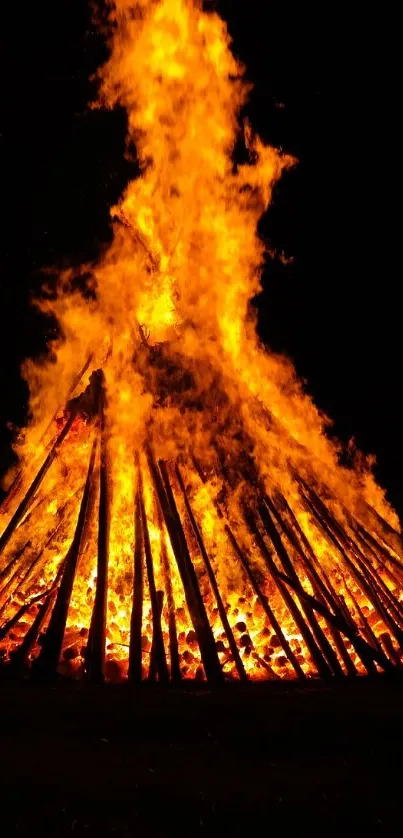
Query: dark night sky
(335, 309)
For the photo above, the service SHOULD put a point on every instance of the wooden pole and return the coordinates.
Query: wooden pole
(365, 651)
(265, 605)
(322, 642)
(197, 611)
(338, 538)
(156, 606)
(136, 621)
(23, 506)
(173, 639)
(220, 605)
(324, 593)
(95, 652)
(320, 662)
(154, 665)
(49, 656)
(19, 658)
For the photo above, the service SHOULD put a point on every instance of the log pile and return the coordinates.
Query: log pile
(294, 616)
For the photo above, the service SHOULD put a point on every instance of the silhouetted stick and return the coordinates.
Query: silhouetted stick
(158, 650)
(320, 662)
(324, 593)
(15, 619)
(197, 611)
(13, 489)
(95, 652)
(10, 566)
(340, 540)
(322, 642)
(23, 506)
(265, 605)
(381, 556)
(362, 649)
(365, 625)
(154, 665)
(136, 620)
(49, 656)
(220, 605)
(173, 639)
(19, 658)
(366, 556)
(390, 536)
(382, 549)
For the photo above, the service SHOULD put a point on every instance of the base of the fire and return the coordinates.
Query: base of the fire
(201, 588)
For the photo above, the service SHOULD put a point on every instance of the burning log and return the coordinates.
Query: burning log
(158, 660)
(265, 604)
(95, 653)
(317, 656)
(367, 584)
(380, 550)
(328, 654)
(220, 605)
(194, 599)
(157, 666)
(16, 558)
(391, 538)
(328, 531)
(324, 593)
(49, 656)
(19, 657)
(173, 640)
(24, 504)
(135, 650)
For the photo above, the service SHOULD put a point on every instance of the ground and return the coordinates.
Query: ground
(91, 761)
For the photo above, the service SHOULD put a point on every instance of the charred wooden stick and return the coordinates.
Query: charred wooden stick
(95, 652)
(382, 550)
(15, 619)
(23, 506)
(19, 658)
(10, 566)
(21, 576)
(194, 600)
(318, 658)
(324, 593)
(292, 658)
(337, 537)
(155, 667)
(158, 641)
(30, 569)
(382, 557)
(326, 649)
(390, 536)
(361, 550)
(265, 604)
(173, 639)
(366, 628)
(136, 620)
(73, 386)
(312, 565)
(389, 601)
(18, 478)
(220, 605)
(364, 651)
(49, 656)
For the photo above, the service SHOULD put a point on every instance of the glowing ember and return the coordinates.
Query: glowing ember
(184, 515)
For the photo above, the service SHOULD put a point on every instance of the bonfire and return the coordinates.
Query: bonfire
(178, 510)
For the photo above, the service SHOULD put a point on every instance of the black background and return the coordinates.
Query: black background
(326, 90)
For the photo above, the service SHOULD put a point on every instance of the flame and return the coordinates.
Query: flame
(169, 322)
